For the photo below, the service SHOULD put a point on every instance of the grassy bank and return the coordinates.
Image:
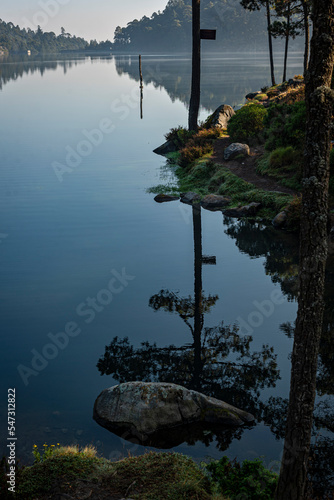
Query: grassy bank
(273, 120)
(66, 472)
(204, 177)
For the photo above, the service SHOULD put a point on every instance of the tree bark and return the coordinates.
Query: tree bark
(272, 71)
(313, 254)
(196, 66)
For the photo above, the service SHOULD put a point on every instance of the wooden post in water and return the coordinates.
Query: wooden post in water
(141, 88)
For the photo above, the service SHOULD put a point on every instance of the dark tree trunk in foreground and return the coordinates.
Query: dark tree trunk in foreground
(272, 71)
(313, 254)
(196, 66)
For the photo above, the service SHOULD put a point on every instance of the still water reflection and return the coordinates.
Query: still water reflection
(188, 315)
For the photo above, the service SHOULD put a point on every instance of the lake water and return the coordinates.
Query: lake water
(76, 216)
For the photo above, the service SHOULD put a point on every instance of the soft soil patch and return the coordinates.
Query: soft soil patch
(245, 168)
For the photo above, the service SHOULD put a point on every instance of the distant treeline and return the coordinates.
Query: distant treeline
(170, 30)
(15, 39)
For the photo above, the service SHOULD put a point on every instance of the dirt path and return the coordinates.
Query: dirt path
(246, 168)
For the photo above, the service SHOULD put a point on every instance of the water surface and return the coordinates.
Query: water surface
(76, 163)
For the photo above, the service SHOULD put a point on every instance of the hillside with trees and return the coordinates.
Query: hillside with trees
(170, 30)
(14, 39)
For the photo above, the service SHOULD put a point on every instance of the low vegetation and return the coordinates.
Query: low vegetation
(72, 473)
(273, 120)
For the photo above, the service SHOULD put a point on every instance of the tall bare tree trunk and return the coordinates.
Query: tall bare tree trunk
(306, 14)
(271, 56)
(313, 254)
(287, 36)
(196, 66)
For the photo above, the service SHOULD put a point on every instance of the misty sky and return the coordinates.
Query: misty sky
(87, 18)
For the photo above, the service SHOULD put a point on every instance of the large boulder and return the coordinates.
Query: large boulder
(141, 410)
(215, 201)
(220, 117)
(236, 149)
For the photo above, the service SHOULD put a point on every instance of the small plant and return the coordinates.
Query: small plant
(47, 452)
(249, 481)
(248, 122)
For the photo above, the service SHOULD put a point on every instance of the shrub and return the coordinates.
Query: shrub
(198, 145)
(247, 122)
(285, 125)
(192, 152)
(179, 136)
(282, 158)
(249, 480)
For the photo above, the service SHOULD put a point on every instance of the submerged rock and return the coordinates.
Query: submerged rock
(280, 220)
(141, 409)
(236, 149)
(189, 198)
(215, 201)
(161, 198)
(245, 211)
(220, 117)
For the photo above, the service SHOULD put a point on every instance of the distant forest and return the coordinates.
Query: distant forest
(170, 30)
(14, 39)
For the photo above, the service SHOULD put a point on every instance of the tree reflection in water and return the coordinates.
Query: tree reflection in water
(218, 361)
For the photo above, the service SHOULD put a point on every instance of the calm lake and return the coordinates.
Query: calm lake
(76, 216)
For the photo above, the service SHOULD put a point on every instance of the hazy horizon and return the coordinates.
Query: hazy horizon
(95, 21)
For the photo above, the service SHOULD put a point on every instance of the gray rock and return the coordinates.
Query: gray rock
(236, 149)
(215, 201)
(245, 211)
(190, 197)
(280, 220)
(143, 409)
(161, 198)
(220, 117)
(167, 147)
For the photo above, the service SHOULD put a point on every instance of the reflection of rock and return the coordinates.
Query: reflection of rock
(143, 409)
(220, 117)
(215, 201)
(236, 149)
(161, 198)
(189, 197)
(280, 219)
(165, 148)
(245, 211)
